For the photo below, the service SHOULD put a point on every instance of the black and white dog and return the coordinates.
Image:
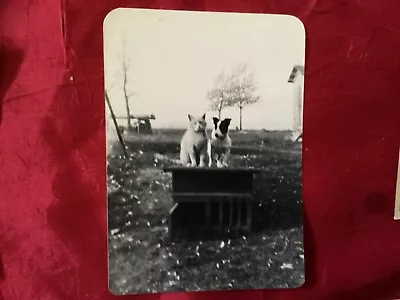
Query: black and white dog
(219, 146)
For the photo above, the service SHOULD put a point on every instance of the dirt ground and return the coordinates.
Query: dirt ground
(142, 261)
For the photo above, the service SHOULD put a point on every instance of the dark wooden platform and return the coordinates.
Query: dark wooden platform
(211, 199)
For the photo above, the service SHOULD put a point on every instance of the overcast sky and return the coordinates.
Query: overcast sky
(175, 57)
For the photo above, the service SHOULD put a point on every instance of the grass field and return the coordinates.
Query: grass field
(141, 260)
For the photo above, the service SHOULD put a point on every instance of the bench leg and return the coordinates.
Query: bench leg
(239, 214)
(221, 213)
(249, 214)
(230, 213)
(208, 213)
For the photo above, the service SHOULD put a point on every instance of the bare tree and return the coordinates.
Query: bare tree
(121, 80)
(242, 89)
(127, 95)
(220, 96)
(234, 88)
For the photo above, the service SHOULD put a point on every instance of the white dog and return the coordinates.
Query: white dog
(219, 146)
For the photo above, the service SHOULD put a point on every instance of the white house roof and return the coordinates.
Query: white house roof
(296, 69)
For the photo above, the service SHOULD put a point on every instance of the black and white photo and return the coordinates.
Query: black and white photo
(204, 115)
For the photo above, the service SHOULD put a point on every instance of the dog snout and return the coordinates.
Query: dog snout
(216, 135)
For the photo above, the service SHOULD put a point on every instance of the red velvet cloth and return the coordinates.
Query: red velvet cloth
(53, 242)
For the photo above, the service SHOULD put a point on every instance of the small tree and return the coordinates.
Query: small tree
(125, 68)
(220, 96)
(242, 89)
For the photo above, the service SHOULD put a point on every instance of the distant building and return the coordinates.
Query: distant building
(142, 123)
(297, 78)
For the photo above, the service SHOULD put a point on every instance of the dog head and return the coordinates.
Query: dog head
(221, 128)
(198, 124)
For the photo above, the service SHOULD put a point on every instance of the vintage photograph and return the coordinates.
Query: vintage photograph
(204, 120)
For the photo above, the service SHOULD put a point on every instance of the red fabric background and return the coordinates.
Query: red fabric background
(52, 155)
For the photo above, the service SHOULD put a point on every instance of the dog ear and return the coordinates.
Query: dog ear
(190, 117)
(204, 117)
(227, 121)
(215, 120)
